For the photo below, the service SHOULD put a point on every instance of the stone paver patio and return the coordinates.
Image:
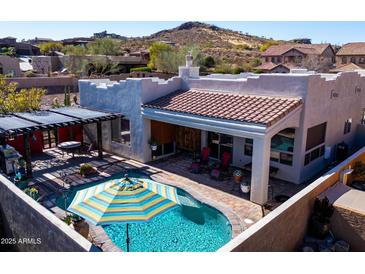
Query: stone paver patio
(55, 173)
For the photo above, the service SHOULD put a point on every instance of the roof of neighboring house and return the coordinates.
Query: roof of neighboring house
(352, 49)
(277, 50)
(268, 66)
(264, 110)
(346, 67)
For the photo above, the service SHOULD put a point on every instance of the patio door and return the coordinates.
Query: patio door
(188, 139)
(219, 143)
(49, 139)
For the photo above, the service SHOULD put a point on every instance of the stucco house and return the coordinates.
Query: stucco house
(289, 126)
(350, 57)
(282, 58)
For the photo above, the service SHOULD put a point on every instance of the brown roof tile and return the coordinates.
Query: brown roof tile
(352, 49)
(244, 108)
(277, 50)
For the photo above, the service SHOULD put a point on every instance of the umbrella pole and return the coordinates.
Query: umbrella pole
(127, 237)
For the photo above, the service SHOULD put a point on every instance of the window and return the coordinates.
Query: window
(344, 60)
(279, 59)
(248, 146)
(353, 60)
(314, 154)
(266, 59)
(121, 131)
(315, 136)
(49, 139)
(362, 60)
(298, 59)
(219, 143)
(273, 59)
(282, 146)
(347, 127)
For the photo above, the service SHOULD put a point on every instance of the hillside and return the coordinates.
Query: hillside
(224, 45)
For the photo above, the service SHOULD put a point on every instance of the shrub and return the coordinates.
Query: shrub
(268, 44)
(141, 69)
(86, 169)
(237, 70)
(30, 73)
(209, 62)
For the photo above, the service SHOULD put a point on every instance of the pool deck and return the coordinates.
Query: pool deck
(55, 173)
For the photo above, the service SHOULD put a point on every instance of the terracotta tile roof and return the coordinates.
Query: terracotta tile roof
(352, 49)
(346, 67)
(277, 50)
(264, 110)
(268, 66)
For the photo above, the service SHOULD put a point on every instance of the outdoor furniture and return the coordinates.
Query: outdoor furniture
(221, 169)
(126, 200)
(203, 161)
(70, 147)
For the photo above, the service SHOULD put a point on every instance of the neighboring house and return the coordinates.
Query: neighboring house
(77, 41)
(317, 57)
(351, 56)
(9, 65)
(20, 48)
(290, 126)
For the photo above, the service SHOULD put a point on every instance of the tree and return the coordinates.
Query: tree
(166, 58)
(50, 47)
(157, 50)
(105, 46)
(268, 44)
(209, 62)
(75, 50)
(24, 100)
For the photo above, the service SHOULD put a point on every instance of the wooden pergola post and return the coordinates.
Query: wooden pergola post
(99, 139)
(27, 155)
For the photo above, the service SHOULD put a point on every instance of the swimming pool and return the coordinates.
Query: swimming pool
(192, 226)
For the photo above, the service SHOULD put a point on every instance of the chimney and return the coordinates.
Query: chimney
(189, 71)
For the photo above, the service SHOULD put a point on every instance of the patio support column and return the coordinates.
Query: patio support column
(27, 156)
(99, 139)
(260, 170)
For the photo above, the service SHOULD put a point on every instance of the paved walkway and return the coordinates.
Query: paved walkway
(55, 173)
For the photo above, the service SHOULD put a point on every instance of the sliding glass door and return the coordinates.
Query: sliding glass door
(218, 144)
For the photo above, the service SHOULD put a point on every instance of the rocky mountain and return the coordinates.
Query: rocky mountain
(224, 45)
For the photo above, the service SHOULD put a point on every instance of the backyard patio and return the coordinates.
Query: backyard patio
(55, 173)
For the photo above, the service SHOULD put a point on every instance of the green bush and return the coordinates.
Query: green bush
(237, 70)
(141, 69)
(209, 62)
(30, 73)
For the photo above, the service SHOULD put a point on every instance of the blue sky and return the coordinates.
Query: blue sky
(332, 32)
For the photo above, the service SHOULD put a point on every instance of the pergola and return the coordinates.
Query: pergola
(28, 122)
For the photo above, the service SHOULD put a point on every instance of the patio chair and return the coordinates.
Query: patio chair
(220, 171)
(197, 164)
(87, 149)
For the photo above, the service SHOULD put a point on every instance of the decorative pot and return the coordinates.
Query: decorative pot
(245, 187)
(237, 179)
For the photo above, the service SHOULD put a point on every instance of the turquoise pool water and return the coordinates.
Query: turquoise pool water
(192, 227)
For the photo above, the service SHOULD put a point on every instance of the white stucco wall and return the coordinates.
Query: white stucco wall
(127, 96)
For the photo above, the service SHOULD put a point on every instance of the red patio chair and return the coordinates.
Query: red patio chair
(204, 157)
(226, 160)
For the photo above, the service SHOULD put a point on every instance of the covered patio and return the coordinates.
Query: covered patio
(236, 116)
(35, 131)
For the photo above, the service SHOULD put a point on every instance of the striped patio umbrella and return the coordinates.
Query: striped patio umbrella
(126, 200)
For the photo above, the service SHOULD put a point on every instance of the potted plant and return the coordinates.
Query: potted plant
(237, 176)
(87, 170)
(245, 187)
(319, 224)
(153, 143)
(33, 192)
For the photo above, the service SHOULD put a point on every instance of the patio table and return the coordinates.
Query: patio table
(70, 146)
